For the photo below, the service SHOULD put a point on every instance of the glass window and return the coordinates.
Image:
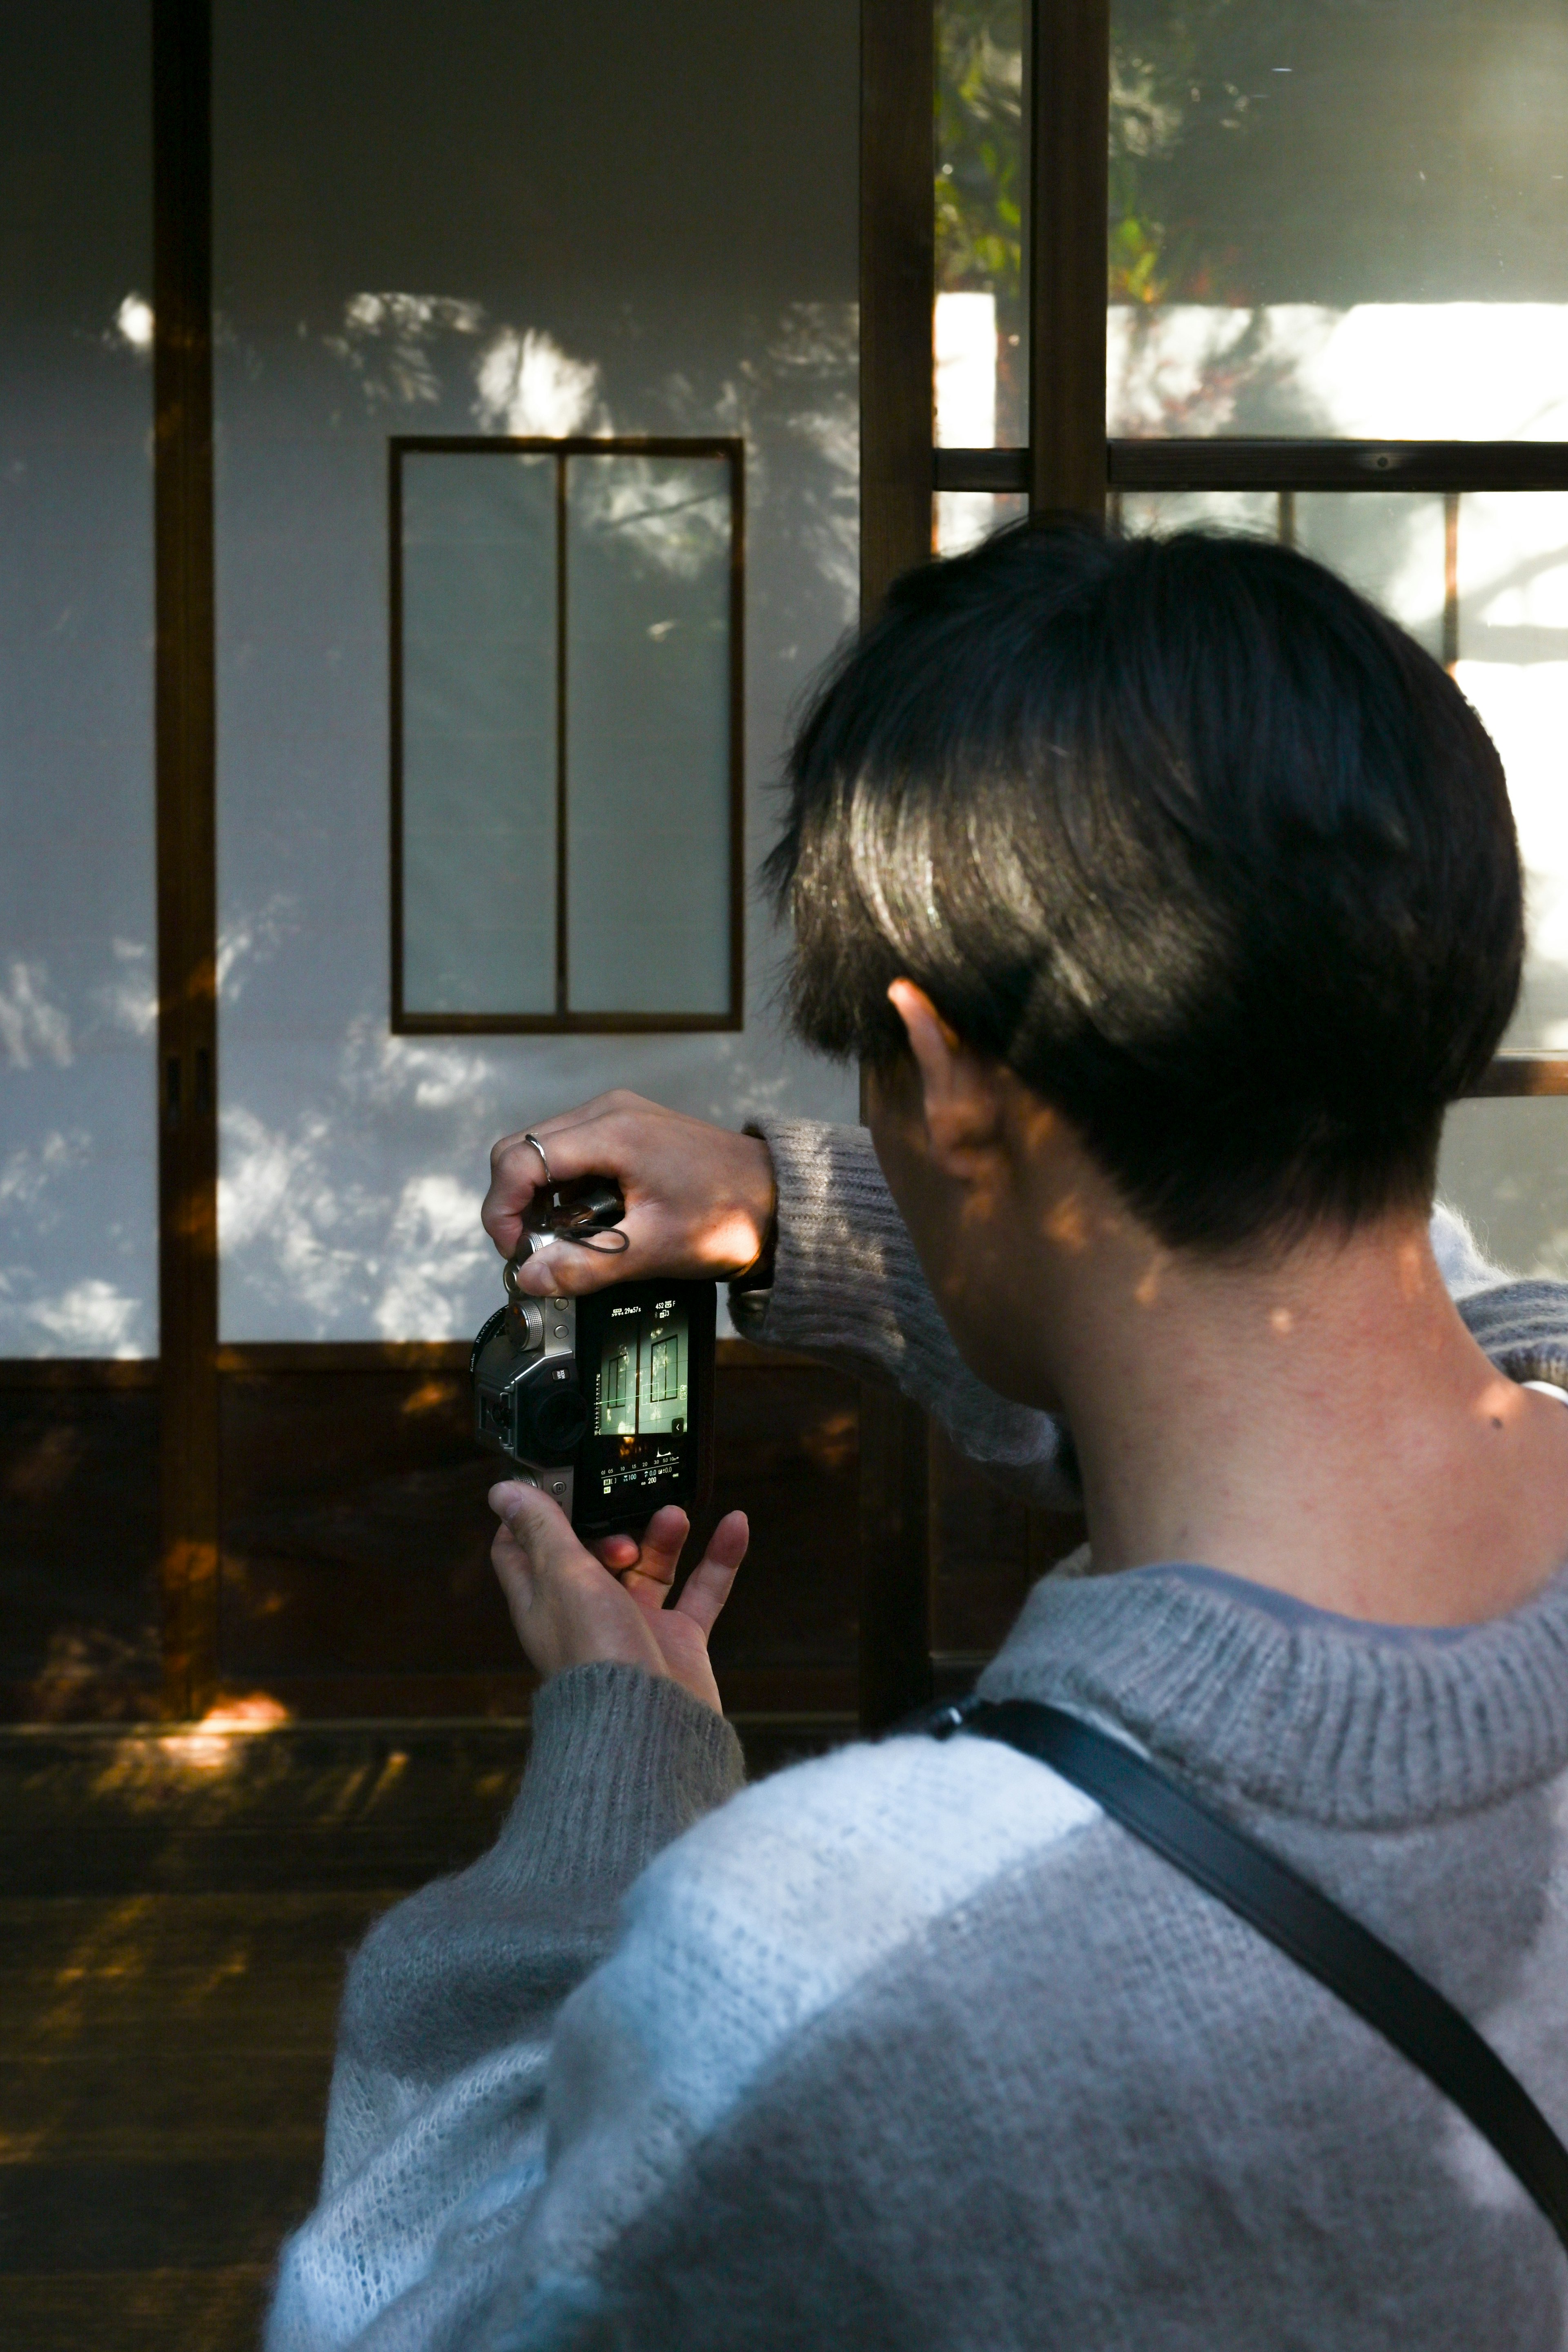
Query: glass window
(478, 732)
(1512, 567)
(563, 756)
(1481, 581)
(1166, 510)
(1347, 221)
(962, 519)
(982, 183)
(1390, 545)
(647, 784)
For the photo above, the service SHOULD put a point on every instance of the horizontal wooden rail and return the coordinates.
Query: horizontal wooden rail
(1242, 464)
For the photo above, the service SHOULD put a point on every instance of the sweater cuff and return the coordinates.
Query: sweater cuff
(621, 1763)
(838, 1239)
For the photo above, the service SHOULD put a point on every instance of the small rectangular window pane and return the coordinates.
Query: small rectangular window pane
(1340, 221)
(648, 734)
(479, 662)
(982, 184)
(962, 519)
(1166, 510)
(1388, 544)
(1513, 666)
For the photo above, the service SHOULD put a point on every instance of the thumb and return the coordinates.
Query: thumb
(538, 1524)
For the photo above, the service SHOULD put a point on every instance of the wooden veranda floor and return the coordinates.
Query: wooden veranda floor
(174, 1914)
(175, 1910)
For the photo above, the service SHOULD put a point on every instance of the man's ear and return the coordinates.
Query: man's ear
(959, 1090)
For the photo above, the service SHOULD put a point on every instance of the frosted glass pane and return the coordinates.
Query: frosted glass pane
(78, 1231)
(982, 179)
(963, 517)
(648, 748)
(1387, 544)
(1166, 510)
(479, 733)
(1339, 220)
(1513, 664)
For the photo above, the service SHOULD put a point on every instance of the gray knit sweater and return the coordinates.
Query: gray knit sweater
(910, 2047)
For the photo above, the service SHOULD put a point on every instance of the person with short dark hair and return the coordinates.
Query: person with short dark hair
(1169, 894)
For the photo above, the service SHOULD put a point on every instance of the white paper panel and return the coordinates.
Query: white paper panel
(521, 221)
(79, 1251)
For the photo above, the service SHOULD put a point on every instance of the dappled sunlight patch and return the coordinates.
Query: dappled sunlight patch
(33, 1027)
(130, 1001)
(831, 1444)
(431, 1396)
(386, 343)
(133, 324)
(1067, 1225)
(90, 1319)
(528, 386)
(207, 1746)
(248, 939)
(1147, 1288)
(117, 1948)
(1501, 1400)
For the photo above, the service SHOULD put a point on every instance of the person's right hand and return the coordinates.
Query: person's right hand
(699, 1199)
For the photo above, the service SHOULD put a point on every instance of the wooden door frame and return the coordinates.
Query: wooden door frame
(186, 862)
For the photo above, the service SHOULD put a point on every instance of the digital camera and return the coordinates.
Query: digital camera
(604, 1402)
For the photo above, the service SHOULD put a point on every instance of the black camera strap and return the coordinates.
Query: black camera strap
(1366, 1974)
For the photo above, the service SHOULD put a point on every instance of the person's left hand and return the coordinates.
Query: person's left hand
(572, 1609)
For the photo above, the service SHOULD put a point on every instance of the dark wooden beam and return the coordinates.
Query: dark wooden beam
(187, 917)
(1290, 465)
(898, 287)
(1069, 108)
(898, 278)
(1443, 467)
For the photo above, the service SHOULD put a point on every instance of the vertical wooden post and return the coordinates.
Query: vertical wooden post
(898, 276)
(898, 286)
(1070, 139)
(187, 904)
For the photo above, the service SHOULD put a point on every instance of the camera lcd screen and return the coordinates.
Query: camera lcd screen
(641, 1368)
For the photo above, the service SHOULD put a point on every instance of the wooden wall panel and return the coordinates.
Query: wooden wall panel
(355, 1533)
(788, 1453)
(355, 1574)
(355, 1579)
(79, 1541)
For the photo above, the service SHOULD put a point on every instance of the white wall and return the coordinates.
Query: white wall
(78, 1136)
(456, 218)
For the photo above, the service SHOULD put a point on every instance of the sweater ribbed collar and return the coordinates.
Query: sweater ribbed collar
(1320, 1719)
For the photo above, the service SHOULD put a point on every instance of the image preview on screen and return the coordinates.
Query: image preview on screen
(641, 1388)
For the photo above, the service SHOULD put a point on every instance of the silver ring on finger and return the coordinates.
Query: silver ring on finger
(543, 1160)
